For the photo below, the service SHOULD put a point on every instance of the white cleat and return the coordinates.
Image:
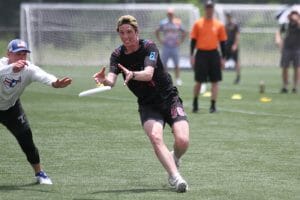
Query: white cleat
(178, 183)
(42, 178)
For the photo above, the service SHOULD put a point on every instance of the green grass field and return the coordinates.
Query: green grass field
(94, 148)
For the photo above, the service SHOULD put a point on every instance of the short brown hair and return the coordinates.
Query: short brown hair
(127, 19)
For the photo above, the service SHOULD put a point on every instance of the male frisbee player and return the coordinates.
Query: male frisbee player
(16, 73)
(138, 60)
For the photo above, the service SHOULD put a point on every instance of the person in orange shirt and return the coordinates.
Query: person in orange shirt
(206, 35)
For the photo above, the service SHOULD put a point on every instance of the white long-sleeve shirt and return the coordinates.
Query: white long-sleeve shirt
(12, 84)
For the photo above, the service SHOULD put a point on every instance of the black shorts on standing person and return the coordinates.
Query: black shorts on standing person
(209, 69)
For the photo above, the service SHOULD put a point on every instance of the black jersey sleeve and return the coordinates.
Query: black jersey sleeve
(151, 53)
(114, 60)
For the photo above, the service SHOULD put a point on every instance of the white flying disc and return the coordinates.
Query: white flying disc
(94, 91)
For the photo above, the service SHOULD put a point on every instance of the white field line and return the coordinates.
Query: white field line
(246, 112)
(259, 113)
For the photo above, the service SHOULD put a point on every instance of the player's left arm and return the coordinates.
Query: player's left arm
(236, 42)
(222, 38)
(183, 35)
(61, 83)
(150, 62)
(236, 39)
(181, 28)
(143, 75)
(278, 36)
(39, 75)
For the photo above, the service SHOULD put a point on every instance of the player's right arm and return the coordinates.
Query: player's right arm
(192, 48)
(157, 34)
(278, 39)
(18, 65)
(278, 36)
(39, 75)
(108, 80)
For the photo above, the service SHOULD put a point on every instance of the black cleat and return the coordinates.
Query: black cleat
(195, 105)
(195, 110)
(237, 80)
(212, 110)
(284, 91)
(294, 90)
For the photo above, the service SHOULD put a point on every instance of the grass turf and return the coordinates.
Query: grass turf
(94, 147)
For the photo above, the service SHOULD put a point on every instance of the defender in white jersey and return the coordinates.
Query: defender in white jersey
(16, 73)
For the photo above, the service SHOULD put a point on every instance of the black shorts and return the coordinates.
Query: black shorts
(231, 54)
(290, 57)
(14, 119)
(208, 66)
(170, 112)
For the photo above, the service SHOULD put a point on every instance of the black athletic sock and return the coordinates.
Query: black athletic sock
(195, 104)
(213, 104)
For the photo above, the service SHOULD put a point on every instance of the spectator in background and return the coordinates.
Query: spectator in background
(290, 50)
(232, 44)
(206, 35)
(173, 35)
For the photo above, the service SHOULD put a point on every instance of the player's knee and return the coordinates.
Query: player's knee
(182, 141)
(182, 136)
(155, 138)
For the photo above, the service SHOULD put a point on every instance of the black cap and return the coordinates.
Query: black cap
(228, 13)
(209, 3)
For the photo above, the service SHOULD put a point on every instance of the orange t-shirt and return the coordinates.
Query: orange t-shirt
(208, 33)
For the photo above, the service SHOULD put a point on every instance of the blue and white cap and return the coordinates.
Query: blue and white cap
(17, 45)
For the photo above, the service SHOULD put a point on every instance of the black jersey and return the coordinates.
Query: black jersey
(160, 89)
(292, 37)
(232, 29)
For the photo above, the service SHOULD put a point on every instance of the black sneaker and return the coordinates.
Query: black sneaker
(237, 80)
(294, 90)
(212, 110)
(195, 110)
(284, 91)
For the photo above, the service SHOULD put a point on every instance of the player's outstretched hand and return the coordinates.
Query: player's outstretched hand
(99, 77)
(61, 83)
(128, 74)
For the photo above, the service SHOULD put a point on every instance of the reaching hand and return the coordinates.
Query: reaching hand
(61, 83)
(128, 74)
(99, 77)
(19, 65)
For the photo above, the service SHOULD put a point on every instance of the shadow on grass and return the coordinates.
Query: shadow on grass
(23, 187)
(132, 191)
